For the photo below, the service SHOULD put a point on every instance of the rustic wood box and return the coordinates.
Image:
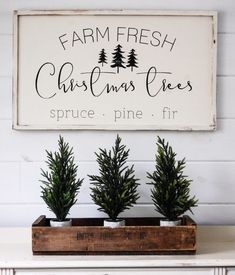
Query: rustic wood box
(88, 237)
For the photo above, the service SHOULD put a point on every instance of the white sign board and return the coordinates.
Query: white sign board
(130, 70)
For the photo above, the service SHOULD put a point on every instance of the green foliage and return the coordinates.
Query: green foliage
(60, 186)
(115, 189)
(170, 192)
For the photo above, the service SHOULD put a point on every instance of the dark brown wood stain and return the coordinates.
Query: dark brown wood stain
(87, 236)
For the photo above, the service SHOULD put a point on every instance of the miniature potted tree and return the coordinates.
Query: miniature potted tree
(115, 189)
(170, 192)
(60, 185)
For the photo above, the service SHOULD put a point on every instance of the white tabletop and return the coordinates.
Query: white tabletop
(216, 247)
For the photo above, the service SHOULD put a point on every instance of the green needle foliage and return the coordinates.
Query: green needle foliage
(61, 185)
(115, 189)
(170, 192)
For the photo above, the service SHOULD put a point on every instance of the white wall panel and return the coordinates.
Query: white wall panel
(226, 19)
(9, 182)
(5, 98)
(5, 55)
(208, 176)
(27, 213)
(226, 58)
(201, 146)
(225, 97)
(210, 155)
(5, 23)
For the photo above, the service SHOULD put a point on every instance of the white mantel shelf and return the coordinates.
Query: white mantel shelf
(216, 248)
(20, 256)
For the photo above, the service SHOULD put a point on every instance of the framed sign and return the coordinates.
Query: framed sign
(125, 70)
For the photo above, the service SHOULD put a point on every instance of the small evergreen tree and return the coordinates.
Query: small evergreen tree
(132, 60)
(115, 189)
(102, 57)
(61, 185)
(170, 192)
(118, 58)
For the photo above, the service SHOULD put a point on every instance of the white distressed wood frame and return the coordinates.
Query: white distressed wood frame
(208, 124)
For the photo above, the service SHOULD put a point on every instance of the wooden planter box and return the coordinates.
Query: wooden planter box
(89, 237)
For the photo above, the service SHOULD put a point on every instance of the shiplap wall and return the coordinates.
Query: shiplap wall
(210, 155)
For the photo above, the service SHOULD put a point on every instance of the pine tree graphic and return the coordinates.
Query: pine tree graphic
(132, 60)
(102, 57)
(118, 58)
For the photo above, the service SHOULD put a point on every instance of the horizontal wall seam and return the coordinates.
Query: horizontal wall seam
(82, 161)
(204, 204)
(225, 75)
(5, 34)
